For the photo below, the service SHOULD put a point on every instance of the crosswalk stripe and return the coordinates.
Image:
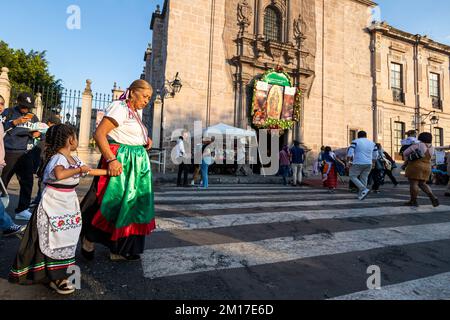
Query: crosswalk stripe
(430, 288)
(239, 187)
(166, 262)
(199, 192)
(280, 197)
(323, 202)
(220, 221)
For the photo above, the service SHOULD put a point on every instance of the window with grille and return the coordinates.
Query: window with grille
(272, 24)
(399, 133)
(435, 85)
(396, 76)
(397, 82)
(438, 137)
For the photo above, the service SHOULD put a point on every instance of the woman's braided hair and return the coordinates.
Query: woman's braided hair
(55, 139)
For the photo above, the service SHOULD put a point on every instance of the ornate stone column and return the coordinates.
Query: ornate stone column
(85, 121)
(5, 86)
(38, 105)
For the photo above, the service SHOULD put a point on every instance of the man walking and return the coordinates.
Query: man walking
(361, 156)
(298, 159)
(19, 140)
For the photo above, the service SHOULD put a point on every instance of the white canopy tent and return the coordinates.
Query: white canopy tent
(227, 130)
(220, 129)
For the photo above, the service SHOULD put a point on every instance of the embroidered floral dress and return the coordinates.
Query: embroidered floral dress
(50, 240)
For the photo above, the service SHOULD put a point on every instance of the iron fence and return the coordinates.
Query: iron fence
(66, 104)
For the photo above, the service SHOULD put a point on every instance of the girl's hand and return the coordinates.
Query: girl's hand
(115, 168)
(85, 169)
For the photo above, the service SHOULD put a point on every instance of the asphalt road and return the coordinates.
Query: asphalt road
(265, 242)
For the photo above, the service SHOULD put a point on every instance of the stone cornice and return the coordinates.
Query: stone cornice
(367, 3)
(395, 33)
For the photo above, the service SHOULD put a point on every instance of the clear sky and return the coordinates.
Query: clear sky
(114, 34)
(426, 17)
(109, 46)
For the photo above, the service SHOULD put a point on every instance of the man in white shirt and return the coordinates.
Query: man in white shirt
(184, 164)
(362, 156)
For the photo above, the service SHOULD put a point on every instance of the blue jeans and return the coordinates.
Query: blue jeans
(5, 220)
(204, 168)
(285, 174)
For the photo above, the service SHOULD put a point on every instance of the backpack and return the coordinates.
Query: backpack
(417, 154)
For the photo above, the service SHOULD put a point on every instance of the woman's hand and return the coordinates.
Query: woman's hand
(149, 144)
(115, 168)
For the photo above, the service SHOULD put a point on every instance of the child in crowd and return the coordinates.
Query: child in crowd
(408, 142)
(48, 247)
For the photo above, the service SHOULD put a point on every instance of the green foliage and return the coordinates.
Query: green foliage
(27, 69)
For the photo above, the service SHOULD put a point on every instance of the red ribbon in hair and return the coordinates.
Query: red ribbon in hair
(125, 95)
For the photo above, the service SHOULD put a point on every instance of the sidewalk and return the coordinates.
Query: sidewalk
(310, 180)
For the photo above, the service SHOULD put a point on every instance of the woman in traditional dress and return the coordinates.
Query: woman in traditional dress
(418, 170)
(48, 247)
(118, 211)
(329, 170)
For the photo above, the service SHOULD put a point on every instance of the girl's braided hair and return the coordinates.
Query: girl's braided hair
(55, 139)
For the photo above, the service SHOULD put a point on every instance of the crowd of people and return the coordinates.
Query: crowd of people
(114, 212)
(367, 164)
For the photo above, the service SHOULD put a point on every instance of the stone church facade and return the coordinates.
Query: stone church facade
(346, 66)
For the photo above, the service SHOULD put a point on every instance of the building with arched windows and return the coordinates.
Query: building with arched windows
(354, 74)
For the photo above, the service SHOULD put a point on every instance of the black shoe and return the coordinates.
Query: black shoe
(447, 194)
(88, 255)
(435, 202)
(411, 204)
(117, 257)
(133, 257)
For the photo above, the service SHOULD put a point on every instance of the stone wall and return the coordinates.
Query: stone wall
(341, 94)
(395, 46)
(189, 51)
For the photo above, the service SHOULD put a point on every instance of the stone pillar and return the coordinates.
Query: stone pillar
(86, 114)
(5, 86)
(116, 92)
(39, 107)
(156, 126)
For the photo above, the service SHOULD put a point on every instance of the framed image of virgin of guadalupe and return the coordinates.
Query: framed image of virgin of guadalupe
(276, 103)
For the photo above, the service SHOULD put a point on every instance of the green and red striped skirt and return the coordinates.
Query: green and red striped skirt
(119, 211)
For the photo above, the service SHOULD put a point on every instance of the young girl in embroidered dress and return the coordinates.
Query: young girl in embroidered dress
(48, 247)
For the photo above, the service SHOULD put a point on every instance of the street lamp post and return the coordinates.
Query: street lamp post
(424, 117)
(434, 121)
(169, 90)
